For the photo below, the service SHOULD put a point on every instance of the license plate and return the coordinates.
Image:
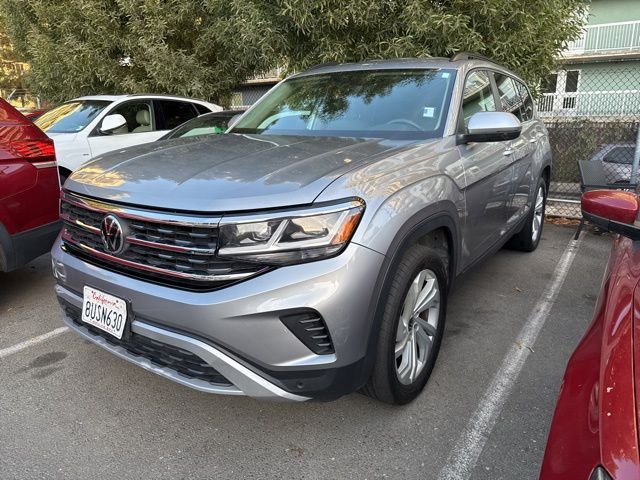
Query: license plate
(104, 311)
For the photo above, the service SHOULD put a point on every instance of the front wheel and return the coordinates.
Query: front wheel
(528, 238)
(412, 327)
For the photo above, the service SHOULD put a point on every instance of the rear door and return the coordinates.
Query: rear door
(488, 171)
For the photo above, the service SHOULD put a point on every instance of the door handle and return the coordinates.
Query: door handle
(507, 152)
(533, 140)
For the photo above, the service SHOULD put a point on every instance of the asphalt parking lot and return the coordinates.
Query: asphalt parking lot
(70, 410)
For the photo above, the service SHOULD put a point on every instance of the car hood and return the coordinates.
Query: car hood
(230, 172)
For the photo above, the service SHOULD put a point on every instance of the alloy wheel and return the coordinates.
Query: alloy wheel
(417, 327)
(538, 213)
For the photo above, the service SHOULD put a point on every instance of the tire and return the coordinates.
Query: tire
(528, 238)
(389, 382)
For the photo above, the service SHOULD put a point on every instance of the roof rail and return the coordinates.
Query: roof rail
(320, 65)
(470, 56)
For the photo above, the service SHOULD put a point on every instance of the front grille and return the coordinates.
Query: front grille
(310, 328)
(181, 361)
(162, 251)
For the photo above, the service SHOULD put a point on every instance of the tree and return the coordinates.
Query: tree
(11, 66)
(204, 48)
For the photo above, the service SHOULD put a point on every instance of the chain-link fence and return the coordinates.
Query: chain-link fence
(248, 95)
(592, 112)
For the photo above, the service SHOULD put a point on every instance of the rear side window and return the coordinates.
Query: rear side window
(510, 98)
(477, 95)
(176, 113)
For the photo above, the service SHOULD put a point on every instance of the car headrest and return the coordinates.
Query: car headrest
(143, 117)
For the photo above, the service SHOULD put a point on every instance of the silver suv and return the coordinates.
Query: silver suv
(309, 251)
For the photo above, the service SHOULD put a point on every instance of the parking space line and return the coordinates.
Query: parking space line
(465, 454)
(5, 352)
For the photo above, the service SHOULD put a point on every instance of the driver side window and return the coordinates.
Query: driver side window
(477, 95)
(139, 116)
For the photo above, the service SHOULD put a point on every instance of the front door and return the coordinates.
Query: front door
(141, 128)
(515, 99)
(488, 173)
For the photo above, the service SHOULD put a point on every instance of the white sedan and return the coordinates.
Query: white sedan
(86, 127)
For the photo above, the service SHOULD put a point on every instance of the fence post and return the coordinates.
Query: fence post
(636, 158)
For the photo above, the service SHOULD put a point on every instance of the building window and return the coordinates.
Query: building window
(571, 84)
(560, 89)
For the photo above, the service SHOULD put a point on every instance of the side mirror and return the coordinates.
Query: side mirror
(612, 210)
(491, 127)
(110, 123)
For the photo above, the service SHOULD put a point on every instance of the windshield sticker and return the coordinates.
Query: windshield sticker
(429, 112)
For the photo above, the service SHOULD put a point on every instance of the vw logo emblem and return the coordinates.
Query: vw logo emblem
(112, 234)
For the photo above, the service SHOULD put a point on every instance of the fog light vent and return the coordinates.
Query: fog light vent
(311, 330)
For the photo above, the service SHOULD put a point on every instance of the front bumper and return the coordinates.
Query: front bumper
(237, 330)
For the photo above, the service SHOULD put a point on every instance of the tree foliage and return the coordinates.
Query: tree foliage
(204, 48)
(11, 68)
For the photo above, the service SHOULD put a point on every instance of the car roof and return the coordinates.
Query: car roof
(115, 98)
(406, 64)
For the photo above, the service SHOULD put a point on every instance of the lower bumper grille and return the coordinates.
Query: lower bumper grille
(181, 361)
(310, 328)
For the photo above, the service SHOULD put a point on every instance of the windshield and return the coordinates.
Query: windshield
(208, 124)
(71, 117)
(623, 155)
(408, 104)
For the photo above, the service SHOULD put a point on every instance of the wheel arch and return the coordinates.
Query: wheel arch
(420, 228)
(546, 175)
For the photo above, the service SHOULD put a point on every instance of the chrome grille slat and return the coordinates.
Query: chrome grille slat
(177, 252)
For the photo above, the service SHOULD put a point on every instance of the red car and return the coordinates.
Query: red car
(29, 190)
(594, 432)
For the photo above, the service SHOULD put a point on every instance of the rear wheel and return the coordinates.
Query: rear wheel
(412, 327)
(529, 237)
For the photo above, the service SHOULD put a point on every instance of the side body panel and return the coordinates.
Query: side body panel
(427, 180)
(595, 418)
(28, 195)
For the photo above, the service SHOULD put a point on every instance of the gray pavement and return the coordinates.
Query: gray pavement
(70, 410)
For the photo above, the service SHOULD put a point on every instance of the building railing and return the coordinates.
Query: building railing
(601, 103)
(606, 38)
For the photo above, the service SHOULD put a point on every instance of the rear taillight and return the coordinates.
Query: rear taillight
(38, 152)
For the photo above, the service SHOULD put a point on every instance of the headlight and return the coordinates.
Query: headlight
(290, 237)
